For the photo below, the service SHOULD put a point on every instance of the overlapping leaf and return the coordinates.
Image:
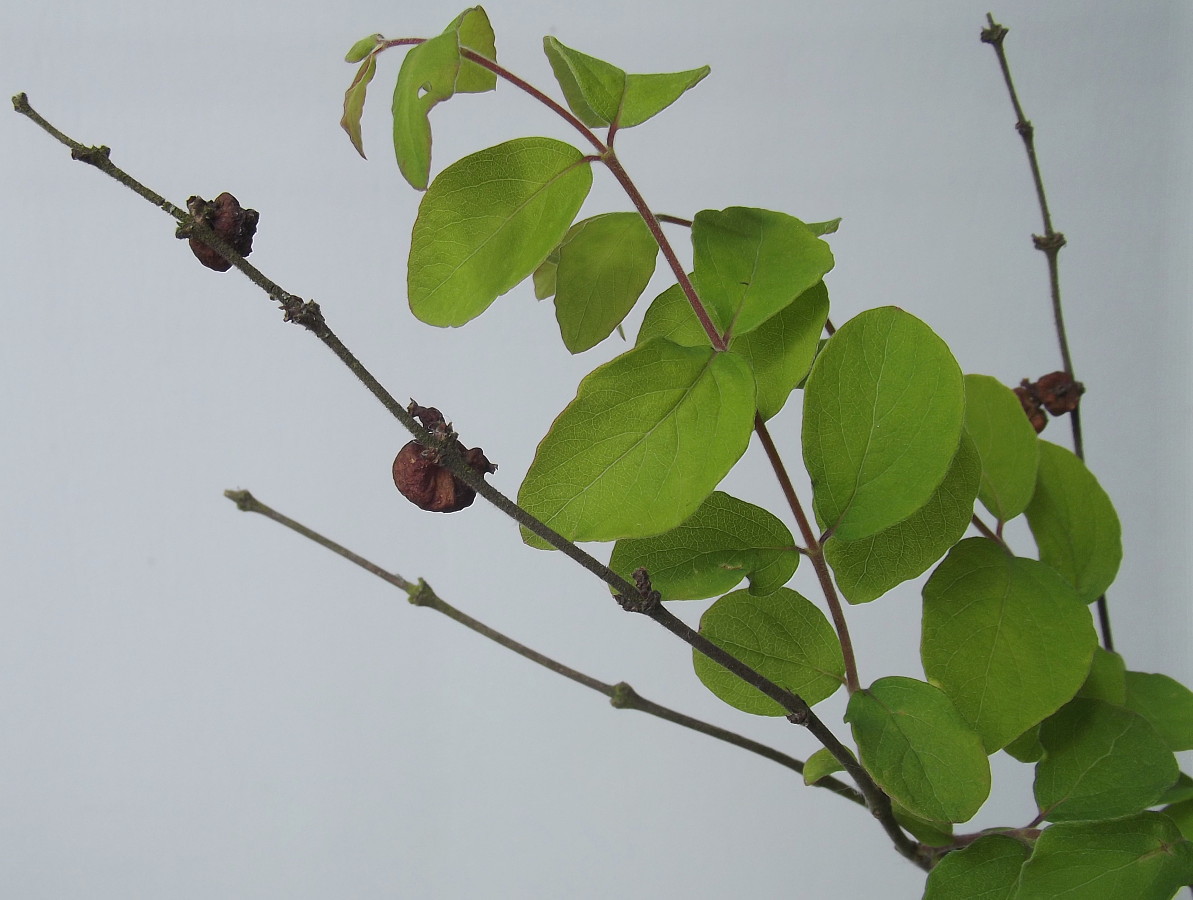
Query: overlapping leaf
(868, 568)
(645, 441)
(488, 221)
(1142, 857)
(598, 272)
(1006, 443)
(600, 93)
(781, 636)
(820, 765)
(919, 749)
(354, 97)
(724, 541)
(1006, 638)
(883, 410)
(1165, 703)
(780, 350)
(988, 869)
(1100, 762)
(1074, 523)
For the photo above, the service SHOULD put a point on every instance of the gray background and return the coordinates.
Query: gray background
(197, 703)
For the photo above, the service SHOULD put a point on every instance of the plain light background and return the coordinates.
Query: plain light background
(196, 703)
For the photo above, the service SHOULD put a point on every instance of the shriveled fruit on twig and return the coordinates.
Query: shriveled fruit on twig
(419, 473)
(228, 220)
(1056, 392)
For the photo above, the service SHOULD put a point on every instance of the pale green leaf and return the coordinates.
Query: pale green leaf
(780, 350)
(919, 749)
(1006, 443)
(1100, 762)
(544, 276)
(604, 264)
(1074, 523)
(600, 93)
(868, 568)
(820, 765)
(781, 636)
(1006, 638)
(883, 409)
(354, 102)
(363, 48)
(1107, 679)
(427, 77)
(1138, 858)
(988, 869)
(476, 34)
(645, 441)
(822, 228)
(488, 221)
(724, 541)
(1166, 704)
(752, 263)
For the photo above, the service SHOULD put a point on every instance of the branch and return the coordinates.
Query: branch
(1050, 244)
(308, 314)
(620, 695)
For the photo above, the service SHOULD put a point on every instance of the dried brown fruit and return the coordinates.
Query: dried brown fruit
(421, 478)
(1031, 405)
(226, 218)
(1058, 392)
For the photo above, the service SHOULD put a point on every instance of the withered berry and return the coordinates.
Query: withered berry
(421, 478)
(1031, 405)
(1058, 392)
(224, 216)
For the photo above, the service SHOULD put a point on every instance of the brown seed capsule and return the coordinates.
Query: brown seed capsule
(1031, 405)
(224, 216)
(420, 477)
(1058, 392)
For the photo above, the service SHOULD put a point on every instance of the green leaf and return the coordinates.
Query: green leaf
(1100, 762)
(427, 77)
(883, 409)
(781, 636)
(1006, 443)
(645, 441)
(780, 350)
(1107, 679)
(933, 834)
(1074, 523)
(919, 749)
(544, 276)
(1027, 747)
(752, 263)
(820, 765)
(724, 541)
(1006, 638)
(1141, 858)
(868, 568)
(603, 267)
(488, 221)
(600, 93)
(820, 229)
(1180, 791)
(1166, 704)
(988, 869)
(354, 102)
(476, 34)
(363, 48)
(1182, 814)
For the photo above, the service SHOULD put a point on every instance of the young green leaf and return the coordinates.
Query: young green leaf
(1027, 747)
(752, 263)
(724, 541)
(868, 568)
(1006, 443)
(363, 48)
(427, 77)
(919, 749)
(488, 221)
(475, 33)
(1100, 762)
(600, 93)
(781, 636)
(1074, 523)
(1142, 857)
(820, 765)
(932, 834)
(1166, 704)
(604, 264)
(1182, 815)
(354, 101)
(1107, 679)
(645, 441)
(780, 350)
(883, 409)
(1006, 638)
(988, 869)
